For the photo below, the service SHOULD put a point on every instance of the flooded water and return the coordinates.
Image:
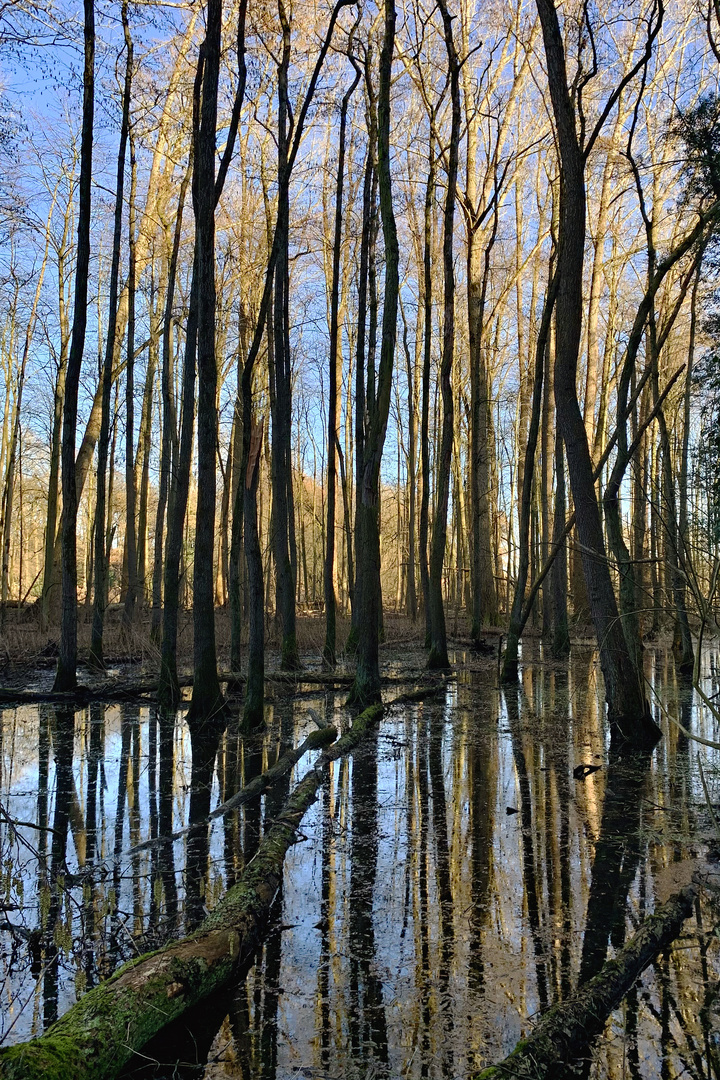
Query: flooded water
(459, 874)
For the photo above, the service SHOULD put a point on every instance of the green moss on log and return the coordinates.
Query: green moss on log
(566, 1029)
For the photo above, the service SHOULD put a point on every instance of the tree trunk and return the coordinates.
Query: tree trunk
(510, 659)
(366, 687)
(438, 638)
(130, 479)
(66, 676)
(560, 632)
(484, 593)
(169, 691)
(101, 515)
(281, 401)
(144, 449)
(565, 1030)
(335, 377)
(360, 404)
(425, 401)
(169, 446)
(628, 711)
(206, 709)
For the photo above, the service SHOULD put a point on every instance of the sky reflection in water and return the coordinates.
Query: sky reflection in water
(452, 880)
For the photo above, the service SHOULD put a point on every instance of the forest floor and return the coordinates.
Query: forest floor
(24, 645)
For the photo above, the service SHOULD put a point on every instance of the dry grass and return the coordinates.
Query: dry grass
(23, 643)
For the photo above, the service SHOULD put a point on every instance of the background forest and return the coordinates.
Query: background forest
(321, 250)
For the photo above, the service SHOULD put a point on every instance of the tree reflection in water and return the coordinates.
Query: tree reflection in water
(420, 927)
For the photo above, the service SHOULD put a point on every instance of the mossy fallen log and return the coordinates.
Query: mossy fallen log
(566, 1029)
(99, 1034)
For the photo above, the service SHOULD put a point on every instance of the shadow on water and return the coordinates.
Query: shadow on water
(475, 862)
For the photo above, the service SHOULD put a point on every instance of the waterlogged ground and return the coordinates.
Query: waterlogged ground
(455, 877)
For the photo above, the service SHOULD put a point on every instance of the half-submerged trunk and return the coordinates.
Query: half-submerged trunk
(628, 710)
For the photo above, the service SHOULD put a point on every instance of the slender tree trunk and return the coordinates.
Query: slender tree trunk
(335, 378)
(282, 491)
(130, 479)
(253, 712)
(411, 593)
(206, 707)
(169, 444)
(168, 688)
(510, 660)
(144, 449)
(425, 403)
(360, 403)
(438, 638)
(236, 528)
(560, 647)
(366, 687)
(101, 564)
(66, 676)
(484, 593)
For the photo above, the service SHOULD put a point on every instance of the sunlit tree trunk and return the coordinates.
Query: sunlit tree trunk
(101, 564)
(130, 478)
(333, 392)
(366, 687)
(628, 710)
(169, 445)
(205, 709)
(438, 638)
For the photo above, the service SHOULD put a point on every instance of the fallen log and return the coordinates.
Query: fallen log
(144, 690)
(565, 1030)
(99, 1034)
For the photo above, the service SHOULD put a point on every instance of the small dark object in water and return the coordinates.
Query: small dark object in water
(510, 810)
(35, 950)
(581, 771)
(482, 647)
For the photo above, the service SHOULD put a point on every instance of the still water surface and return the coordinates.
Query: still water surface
(473, 861)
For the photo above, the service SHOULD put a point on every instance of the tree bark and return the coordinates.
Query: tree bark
(366, 687)
(281, 399)
(438, 658)
(335, 378)
(169, 445)
(425, 400)
(130, 478)
(101, 565)
(206, 708)
(565, 1030)
(510, 659)
(628, 710)
(66, 675)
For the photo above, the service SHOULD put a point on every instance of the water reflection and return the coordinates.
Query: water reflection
(421, 927)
